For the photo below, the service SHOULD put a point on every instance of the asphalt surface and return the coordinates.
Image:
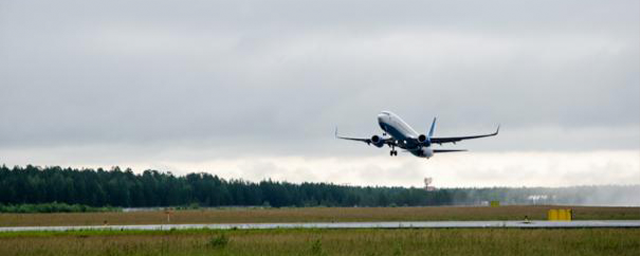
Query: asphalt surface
(353, 225)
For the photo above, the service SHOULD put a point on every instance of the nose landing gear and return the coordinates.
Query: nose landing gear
(393, 153)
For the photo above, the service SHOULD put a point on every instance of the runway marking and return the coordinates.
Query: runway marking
(352, 225)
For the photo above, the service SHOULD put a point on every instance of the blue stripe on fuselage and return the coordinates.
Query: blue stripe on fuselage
(399, 134)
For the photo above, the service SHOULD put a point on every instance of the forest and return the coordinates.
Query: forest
(124, 188)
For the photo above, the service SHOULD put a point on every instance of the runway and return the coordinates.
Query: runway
(352, 225)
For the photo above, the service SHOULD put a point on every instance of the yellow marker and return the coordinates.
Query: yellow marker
(559, 215)
(565, 214)
(552, 215)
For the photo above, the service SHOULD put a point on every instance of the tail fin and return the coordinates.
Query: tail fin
(433, 128)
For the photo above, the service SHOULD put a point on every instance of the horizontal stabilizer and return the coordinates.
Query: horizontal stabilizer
(448, 150)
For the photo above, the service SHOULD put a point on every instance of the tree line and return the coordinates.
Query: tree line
(54, 207)
(152, 188)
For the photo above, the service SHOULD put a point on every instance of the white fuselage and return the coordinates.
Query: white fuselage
(405, 136)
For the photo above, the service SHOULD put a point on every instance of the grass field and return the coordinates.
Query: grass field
(327, 242)
(256, 215)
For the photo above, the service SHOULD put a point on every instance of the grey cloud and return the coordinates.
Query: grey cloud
(253, 77)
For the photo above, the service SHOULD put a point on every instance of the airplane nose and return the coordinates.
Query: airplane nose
(381, 118)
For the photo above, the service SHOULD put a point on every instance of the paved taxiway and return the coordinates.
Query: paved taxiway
(353, 225)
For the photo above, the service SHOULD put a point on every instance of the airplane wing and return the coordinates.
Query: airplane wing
(448, 150)
(386, 141)
(441, 140)
(365, 140)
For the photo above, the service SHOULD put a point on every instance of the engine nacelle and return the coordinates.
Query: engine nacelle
(377, 141)
(422, 139)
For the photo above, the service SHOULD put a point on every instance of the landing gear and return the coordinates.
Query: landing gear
(393, 153)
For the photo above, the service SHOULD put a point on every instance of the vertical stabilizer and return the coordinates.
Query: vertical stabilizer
(433, 127)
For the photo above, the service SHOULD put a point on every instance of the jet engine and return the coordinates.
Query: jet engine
(422, 139)
(377, 141)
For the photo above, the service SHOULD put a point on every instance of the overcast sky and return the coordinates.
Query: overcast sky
(254, 89)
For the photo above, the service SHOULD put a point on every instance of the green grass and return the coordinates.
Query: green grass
(316, 214)
(322, 241)
(327, 242)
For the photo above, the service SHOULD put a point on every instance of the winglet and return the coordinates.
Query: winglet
(433, 127)
(336, 133)
(497, 130)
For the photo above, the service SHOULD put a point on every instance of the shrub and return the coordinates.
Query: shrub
(54, 207)
(219, 241)
(316, 248)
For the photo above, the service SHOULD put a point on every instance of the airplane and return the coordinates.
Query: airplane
(397, 133)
